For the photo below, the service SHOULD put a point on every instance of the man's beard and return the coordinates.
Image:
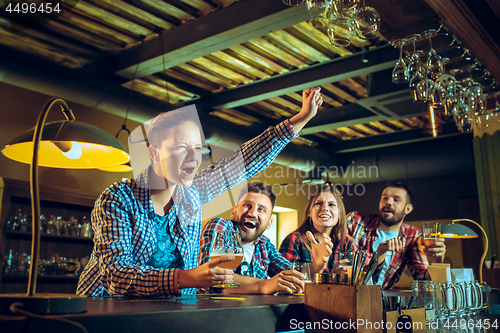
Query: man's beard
(389, 222)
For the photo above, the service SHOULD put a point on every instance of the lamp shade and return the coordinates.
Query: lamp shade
(118, 168)
(455, 230)
(69, 144)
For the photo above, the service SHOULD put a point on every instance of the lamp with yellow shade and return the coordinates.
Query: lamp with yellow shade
(127, 167)
(455, 230)
(65, 144)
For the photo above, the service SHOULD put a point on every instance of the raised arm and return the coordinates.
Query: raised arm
(311, 100)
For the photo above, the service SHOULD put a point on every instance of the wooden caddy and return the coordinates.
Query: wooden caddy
(346, 308)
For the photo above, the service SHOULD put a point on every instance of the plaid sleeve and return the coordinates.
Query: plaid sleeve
(251, 158)
(289, 247)
(277, 262)
(207, 235)
(417, 261)
(118, 272)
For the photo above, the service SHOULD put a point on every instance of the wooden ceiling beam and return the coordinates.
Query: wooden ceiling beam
(374, 60)
(467, 27)
(221, 29)
(391, 139)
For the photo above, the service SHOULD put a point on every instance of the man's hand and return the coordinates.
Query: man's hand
(286, 281)
(337, 267)
(321, 252)
(393, 244)
(311, 101)
(436, 249)
(207, 275)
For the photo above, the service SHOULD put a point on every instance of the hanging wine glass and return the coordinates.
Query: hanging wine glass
(344, 7)
(419, 87)
(293, 2)
(473, 95)
(415, 65)
(340, 27)
(441, 88)
(319, 11)
(367, 22)
(340, 31)
(400, 70)
(435, 63)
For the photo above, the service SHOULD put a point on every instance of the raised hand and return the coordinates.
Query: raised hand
(311, 101)
(321, 252)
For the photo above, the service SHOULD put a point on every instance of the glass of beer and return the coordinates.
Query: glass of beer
(346, 255)
(430, 233)
(227, 242)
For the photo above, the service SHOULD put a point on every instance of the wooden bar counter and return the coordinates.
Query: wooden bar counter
(196, 313)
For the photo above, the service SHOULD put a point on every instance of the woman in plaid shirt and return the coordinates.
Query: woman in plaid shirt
(323, 232)
(147, 229)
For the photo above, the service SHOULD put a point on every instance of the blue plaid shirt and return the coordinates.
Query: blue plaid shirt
(125, 224)
(266, 262)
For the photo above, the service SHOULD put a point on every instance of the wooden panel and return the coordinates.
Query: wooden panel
(317, 36)
(276, 49)
(115, 20)
(459, 19)
(254, 59)
(343, 304)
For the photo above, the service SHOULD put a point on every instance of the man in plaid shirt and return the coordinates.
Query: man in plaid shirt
(263, 270)
(252, 216)
(396, 243)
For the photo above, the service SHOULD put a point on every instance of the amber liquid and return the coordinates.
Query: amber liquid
(429, 241)
(349, 271)
(232, 264)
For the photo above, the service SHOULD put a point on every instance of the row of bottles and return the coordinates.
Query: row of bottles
(17, 264)
(51, 225)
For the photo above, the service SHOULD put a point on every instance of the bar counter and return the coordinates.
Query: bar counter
(196, 313)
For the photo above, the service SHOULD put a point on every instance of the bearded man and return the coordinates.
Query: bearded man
(263, 269)
(397, 244)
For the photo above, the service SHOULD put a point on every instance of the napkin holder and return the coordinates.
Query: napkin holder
(440, 272)
(417, 317)
(338, 306)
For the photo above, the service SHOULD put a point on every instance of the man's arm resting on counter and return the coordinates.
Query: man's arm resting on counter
(289, 281)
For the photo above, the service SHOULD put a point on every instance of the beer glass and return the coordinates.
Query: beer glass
(227, 242)
(425, 297)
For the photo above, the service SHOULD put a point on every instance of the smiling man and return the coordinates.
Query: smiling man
(252, 216)
(397, 244)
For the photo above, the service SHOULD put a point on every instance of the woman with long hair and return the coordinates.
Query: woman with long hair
(322, 233)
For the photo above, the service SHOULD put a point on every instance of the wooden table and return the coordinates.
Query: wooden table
(197, 313)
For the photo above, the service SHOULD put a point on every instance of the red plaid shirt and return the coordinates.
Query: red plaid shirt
(363, 229)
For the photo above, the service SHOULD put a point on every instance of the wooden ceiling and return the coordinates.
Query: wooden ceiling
(247, 61)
